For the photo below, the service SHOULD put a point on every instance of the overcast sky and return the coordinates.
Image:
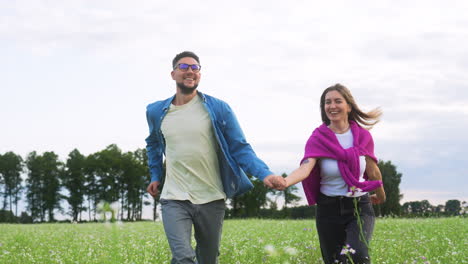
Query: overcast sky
(79, 74)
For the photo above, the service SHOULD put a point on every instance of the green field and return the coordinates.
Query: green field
(442, 240)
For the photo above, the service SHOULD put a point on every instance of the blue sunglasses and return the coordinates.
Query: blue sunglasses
(185, 67)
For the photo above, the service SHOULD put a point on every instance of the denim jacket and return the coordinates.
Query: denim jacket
(235, 158)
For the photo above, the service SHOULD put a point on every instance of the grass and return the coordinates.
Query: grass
(409, 241)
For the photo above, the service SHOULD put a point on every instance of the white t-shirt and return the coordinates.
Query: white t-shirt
(192, 169)
(331, 183)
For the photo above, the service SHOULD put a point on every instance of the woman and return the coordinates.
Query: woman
(338, 171)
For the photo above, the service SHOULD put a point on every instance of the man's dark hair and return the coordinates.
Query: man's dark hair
(183, 55)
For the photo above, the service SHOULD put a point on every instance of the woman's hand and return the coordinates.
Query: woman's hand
(375, 199)
(373, 171)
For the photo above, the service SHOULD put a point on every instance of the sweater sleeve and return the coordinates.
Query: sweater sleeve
(367, 144)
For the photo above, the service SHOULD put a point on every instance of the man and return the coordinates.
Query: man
(206, 159)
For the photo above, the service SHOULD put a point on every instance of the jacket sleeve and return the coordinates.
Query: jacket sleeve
(239, 149)
(153, 149)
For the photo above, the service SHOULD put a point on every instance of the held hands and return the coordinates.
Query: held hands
(275, 182)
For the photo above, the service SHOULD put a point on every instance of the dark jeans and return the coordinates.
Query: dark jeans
(338, 225)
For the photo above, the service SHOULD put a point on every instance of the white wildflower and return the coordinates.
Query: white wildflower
(270, 249)
(291, 251)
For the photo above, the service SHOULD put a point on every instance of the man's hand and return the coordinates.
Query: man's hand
(153, 188)
(275, 182)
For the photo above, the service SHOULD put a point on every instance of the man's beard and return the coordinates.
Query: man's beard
(185, 89)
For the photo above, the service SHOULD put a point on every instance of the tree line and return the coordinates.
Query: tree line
(111, 176)
(108, 175)
(425, 209)
(89, 184)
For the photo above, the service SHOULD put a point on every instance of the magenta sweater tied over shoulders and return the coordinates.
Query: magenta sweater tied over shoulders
(324, 144)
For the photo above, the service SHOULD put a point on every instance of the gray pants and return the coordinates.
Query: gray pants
(207, 220)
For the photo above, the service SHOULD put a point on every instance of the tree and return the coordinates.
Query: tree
(73, 180)
(34, 187)
(391, 181)
(43, 185)
(104, 177)
(418, 208)
(144, 178)
(134, 179)
(129, 192)
(25, 218)
(250, 203)
(109, 174)
(453, 207)
(302, 212)
(11, 166)
(91, 189)
(439, 209)
(7, 216)
(51, 183)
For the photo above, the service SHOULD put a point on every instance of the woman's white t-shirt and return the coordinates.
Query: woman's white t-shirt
(331, 183)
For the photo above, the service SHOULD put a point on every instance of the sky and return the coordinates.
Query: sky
(79, 74)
